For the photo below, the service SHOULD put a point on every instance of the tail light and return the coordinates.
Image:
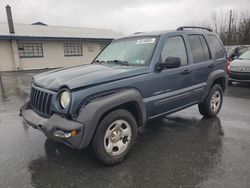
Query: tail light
(228, 66)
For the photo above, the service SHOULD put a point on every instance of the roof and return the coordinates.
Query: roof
(194, 30)
(25, 31)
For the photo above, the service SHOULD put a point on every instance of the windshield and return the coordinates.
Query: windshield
(245, 55)
(129, 51)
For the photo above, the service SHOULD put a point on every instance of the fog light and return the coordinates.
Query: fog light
(73, 133)
(61, 134)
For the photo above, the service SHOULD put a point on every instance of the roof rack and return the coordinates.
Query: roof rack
(193, 27)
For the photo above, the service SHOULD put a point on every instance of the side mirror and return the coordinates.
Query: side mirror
(170, 63)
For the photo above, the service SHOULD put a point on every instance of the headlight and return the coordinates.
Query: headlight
(64, 99)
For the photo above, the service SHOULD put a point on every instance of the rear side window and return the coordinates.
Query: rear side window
(218, 48)
(175, 47)
(199, 48)
(205, 48)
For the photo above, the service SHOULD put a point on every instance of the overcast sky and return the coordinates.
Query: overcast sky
(127, 16)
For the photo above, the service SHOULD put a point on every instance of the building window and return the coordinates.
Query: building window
(30, 50)
(72, 49)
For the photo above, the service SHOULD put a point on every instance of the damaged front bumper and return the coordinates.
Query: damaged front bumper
(56, 127)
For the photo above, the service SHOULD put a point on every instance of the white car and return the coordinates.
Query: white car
(239, 70)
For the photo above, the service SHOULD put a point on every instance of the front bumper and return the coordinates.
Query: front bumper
(243, 77)
(55, 123)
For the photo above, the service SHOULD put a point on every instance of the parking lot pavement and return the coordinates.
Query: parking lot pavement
(180, 150)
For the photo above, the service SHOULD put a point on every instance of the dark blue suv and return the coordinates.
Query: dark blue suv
(133, 80)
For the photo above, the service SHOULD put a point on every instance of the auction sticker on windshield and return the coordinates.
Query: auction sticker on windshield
(145, 41)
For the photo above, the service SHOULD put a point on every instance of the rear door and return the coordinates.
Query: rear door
(201, 66)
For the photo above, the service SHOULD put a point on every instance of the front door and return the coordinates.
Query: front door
(169, 86)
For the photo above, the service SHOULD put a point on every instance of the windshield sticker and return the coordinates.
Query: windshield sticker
(146, 41)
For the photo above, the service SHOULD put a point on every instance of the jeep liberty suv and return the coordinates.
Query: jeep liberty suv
(133, 80)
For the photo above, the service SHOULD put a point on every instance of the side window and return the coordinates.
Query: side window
(175, 47)
(207, 55)
(218, 48)
(199, 48)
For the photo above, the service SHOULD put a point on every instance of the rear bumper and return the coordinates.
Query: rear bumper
(239, 77)
(55, 123)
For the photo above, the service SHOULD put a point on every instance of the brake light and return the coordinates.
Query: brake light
(228, 66)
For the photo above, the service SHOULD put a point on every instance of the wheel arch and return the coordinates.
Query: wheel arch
(216, 77)
(220, 81)
(97, 109)
(133, 107)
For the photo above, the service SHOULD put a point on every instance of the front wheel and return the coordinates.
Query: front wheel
(114, 137)
(211, 106)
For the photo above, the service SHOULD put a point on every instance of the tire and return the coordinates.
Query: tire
(211, 106)
(114, 137)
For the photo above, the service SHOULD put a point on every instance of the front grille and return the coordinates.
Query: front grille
(239, 75)
(234, 68)
(40, 101)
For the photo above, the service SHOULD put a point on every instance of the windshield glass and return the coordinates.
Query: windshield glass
(129, 51)
(245, 55)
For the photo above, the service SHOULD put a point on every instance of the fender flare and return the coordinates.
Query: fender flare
(93, 111)
(211, 78)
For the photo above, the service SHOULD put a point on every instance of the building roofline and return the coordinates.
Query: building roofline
(58, 26)
(16, 37)
(38, 32)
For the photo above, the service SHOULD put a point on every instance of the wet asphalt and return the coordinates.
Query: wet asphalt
(180, 150)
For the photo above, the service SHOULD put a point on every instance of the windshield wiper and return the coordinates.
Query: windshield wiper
(98, 61)
(125, 63)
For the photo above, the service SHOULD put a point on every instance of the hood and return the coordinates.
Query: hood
(85, 75)
(240, 62)
(240, 65)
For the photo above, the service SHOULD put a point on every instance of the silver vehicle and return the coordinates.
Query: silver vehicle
(233, 52)
(239, 70)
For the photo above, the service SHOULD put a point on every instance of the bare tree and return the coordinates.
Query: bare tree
(239, 30)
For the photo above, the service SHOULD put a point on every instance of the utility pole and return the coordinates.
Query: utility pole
(229, 28)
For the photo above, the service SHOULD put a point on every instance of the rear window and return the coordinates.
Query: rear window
(217, 46)
(199, 48)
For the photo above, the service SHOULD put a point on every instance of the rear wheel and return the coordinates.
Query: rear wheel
(211, 106)
(114, 137)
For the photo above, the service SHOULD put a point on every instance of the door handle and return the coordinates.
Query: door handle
(186, 71)
(211, 65)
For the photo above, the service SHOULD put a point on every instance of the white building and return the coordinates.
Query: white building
(40, 46)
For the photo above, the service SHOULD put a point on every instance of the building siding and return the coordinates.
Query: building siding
(53, 55)
(6, 56)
